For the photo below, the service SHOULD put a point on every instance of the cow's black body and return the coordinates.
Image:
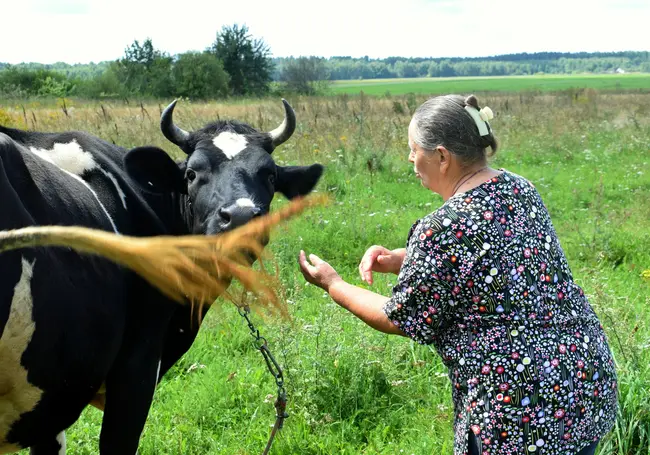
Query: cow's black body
(95, 323)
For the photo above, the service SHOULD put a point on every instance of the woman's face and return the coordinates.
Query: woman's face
(425, 164)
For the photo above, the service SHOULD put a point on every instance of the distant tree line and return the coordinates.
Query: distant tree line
(343, 68)
(237, 64)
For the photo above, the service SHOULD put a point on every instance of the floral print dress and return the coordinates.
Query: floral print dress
(486, 281)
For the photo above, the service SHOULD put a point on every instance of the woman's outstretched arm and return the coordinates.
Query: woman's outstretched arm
(364, 304)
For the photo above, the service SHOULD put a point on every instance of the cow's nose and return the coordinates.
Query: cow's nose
(235, 215)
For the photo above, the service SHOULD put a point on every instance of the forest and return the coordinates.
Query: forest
(237, 64)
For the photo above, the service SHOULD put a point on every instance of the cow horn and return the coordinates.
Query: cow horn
(286, 128)
(172, 132)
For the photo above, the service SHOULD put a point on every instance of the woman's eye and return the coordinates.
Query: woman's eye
(190, 175)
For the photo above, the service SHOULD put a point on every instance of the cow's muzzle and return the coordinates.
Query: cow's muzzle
(235, 215)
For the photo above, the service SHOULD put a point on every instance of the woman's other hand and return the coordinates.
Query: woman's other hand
(318, 272)
(382, 260)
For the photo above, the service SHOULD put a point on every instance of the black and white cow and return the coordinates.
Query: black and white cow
(77, 328)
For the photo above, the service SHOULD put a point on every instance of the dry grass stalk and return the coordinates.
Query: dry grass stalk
(193, 269)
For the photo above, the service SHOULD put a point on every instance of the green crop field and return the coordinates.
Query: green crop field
(510, 84)
(353, 390)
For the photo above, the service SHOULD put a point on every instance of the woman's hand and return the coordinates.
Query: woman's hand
(363, 303)
(382, 260)
(319, 272)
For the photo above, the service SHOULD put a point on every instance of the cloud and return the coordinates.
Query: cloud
(62, 6)
(96, 30)
(53, 7)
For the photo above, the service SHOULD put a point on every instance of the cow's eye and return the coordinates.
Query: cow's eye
(190, 175)
(272, 179)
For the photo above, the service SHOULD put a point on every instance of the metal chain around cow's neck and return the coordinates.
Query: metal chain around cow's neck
(274, 368)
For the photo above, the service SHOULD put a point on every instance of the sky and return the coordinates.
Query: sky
(83, 31)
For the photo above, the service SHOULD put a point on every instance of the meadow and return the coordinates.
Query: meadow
(352, 390)
(539, 83)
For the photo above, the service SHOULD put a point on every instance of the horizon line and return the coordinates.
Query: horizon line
(362, 57)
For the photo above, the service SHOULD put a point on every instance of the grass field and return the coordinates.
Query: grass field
(352, 390)
(510, 84)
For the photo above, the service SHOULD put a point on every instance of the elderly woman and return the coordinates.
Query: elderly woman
(485, 280)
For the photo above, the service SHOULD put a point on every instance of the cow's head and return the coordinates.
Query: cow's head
(229, 176)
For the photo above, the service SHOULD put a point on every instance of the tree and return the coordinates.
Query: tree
(246, 60)
(406, 69)
(200, 75)
(305, 75)
(18, 81)
(105, 84)
(144, 70)
(51, 86)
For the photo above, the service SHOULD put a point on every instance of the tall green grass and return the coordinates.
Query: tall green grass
(353, 390)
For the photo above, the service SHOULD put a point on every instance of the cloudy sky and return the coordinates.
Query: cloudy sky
(81, 31)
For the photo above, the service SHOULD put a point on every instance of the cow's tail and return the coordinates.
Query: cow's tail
(193, 269)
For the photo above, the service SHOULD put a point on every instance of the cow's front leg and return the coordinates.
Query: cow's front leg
(53, 446)
(129, 391)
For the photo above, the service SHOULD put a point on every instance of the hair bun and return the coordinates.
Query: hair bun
(472, 101)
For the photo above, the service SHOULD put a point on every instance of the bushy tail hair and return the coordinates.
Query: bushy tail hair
(191, 269)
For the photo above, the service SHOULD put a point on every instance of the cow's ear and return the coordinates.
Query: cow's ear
(154, 170)
(297, 180)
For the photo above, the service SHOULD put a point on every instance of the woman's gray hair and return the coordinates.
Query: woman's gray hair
(444, 121)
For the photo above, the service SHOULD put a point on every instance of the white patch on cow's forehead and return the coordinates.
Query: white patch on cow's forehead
(69, 157)
(244, 202)
(60, 438)
(17, 395)
(230, 143)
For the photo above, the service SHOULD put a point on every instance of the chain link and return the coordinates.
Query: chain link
(261, 345)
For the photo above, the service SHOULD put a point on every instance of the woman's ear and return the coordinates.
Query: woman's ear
(444, 158)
